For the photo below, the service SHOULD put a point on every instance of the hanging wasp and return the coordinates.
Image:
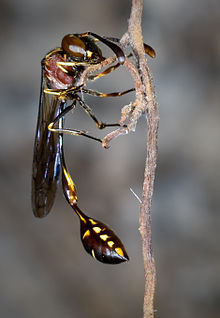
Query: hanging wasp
(61, 70)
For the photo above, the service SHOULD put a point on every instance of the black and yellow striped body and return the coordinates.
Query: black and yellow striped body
(100, 241)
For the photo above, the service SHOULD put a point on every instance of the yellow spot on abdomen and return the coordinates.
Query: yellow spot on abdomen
(93, 254)
(97, 229)
(87, 233)
(104, 237)
(92, 221)
(110, 243)
(119, 251)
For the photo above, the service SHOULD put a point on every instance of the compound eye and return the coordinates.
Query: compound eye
(74, 46)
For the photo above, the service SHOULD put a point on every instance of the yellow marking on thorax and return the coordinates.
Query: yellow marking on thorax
(72, 63)
(89, 53)
(66, 63)
(61, 67)
(52, 52)
(119, 251)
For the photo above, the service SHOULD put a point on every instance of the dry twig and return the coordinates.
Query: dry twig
(145, 103)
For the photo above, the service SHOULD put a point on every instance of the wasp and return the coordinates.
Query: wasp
(61, 70)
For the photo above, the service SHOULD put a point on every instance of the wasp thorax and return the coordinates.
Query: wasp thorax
(74, 46)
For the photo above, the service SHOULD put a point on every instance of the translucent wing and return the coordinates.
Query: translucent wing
(46, 161)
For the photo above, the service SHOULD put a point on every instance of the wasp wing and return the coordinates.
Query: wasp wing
(46, 161)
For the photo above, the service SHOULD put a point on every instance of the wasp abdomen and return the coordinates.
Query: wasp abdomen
(100, 241)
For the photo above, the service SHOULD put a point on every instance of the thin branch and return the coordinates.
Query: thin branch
(144, 104)
(148, 96)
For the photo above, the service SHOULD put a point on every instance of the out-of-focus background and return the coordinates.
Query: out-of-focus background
(44, 270)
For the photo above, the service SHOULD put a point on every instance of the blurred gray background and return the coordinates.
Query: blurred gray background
(44, 270)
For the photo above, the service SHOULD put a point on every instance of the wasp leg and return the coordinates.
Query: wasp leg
(114, 47)
(98, 123)
(107, 71)
(88, 110)
(72, 63)
(62, 93)
(74, 132)
(147, 48)
(100, 94)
